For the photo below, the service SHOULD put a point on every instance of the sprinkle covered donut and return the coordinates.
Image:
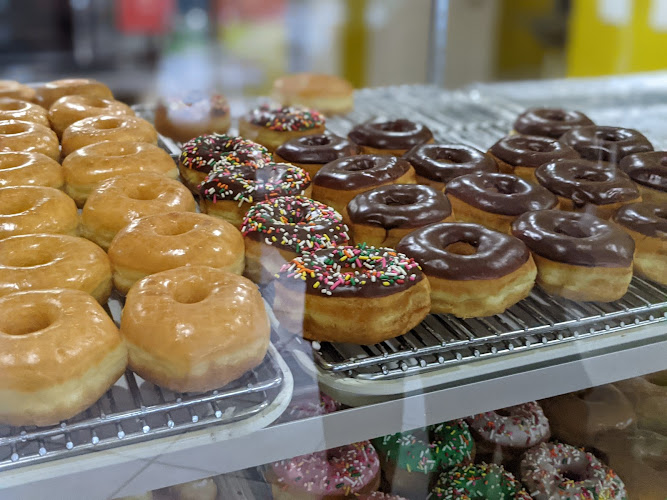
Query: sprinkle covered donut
(279, 229)
(478, 481)
(336, 473)
(355, 294)
(555, 471)
(216, 151)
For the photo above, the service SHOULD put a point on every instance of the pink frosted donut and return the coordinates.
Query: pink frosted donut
(311, 406)
(378, 495)
(336, 473)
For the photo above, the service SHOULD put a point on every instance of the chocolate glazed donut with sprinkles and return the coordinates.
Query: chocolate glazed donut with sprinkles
(277, 230)
(357, 294)
(272, 125)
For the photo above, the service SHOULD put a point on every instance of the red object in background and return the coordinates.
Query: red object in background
(148, 17)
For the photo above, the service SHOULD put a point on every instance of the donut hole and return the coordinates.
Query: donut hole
(18, 206)
(506, 185)
(611, 135)
(396, 126)
(572, 229)
(504, 412)
(14, 128)
(592, 176)
(538, 146)
(29, 258)
(462, 248)
(359, 164)
(573, 475)
(399, 199)
(13, 105)
(13, 161)
(555, 115)
(124, 150)
(656, 463)
(95, 102)
(26, 320)
(107, 124)
(174, 227)
(191, 292)
(142, 192)
(316, 140)
(347, 270)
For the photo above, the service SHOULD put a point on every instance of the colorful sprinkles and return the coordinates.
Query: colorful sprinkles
(520, 426)
(475, 482)
(296, 223)
(215, 151)
(286, 118)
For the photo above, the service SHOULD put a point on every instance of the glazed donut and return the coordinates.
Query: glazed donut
(549, 122)
(312, 152)
(15, 109)
(30, 169)
(26, 137)
(502, 436)
(167, 241)
(522, 154)
(611, 144)
(361, 295)
(473, 271)
(204, 489)
(61, 353)
(594, 187)
(341, 180)
(329, 94)
(578, 256)
(411, 460)
(389, 137)
(384, 215)
(639, 458)
(336, 473)
(553, 470)
(36, 209)
(478, 481)
(88, 166)
(576, 418)
(201, 155)
(193, 115)
(495, 200)
(16, 90)
(649, 171)
(49, 261)
(194, 328)
(646, 223)
(437, 164)
(272, 126)
(120, 200)
(50, 92)
(648, 396)
(229, 193)
(72, 108)
(106, 128)
(277, 230)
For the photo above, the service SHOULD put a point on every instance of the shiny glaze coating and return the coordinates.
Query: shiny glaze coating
(15, 90)
(390, 134)
(36, 209)
(497, 193)
(361, 171)
(444, 162)
(648, 219)
(399, 206)
(606, 143)
(574, 238)
(496, 254)
(72, 108)
(29, 137)
(29, 169)
(15, 109)
(48, 93)
(530, 150)
(549, 122)
(48, 261)
(316, 149)
(648, 169)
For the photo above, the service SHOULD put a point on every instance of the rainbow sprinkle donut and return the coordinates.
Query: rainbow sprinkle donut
(286, 118)
(213, 151)
(476, 482)
(555, 471)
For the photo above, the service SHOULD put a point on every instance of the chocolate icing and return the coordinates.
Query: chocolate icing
(316, 149)
(497, 254)
(549, 122)
(503, 194)
(530, 150)
(648, 169)
(574, 238)
(399, 206)
(444, 162)
(648, 219)
(587, 182)
(361, 171)
(390, 134)
(606, 143)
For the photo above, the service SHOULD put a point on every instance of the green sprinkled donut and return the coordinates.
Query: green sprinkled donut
(478, 482)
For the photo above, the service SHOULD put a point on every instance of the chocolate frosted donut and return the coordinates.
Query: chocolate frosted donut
(649, 170)
(495, 200)
(437, 164)
(310, 152)
(382, 216)
(549, 122)
(522, 154)
(606, 143)
(590, 186)
(578, 255)
(645, 218)
(390, 136)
